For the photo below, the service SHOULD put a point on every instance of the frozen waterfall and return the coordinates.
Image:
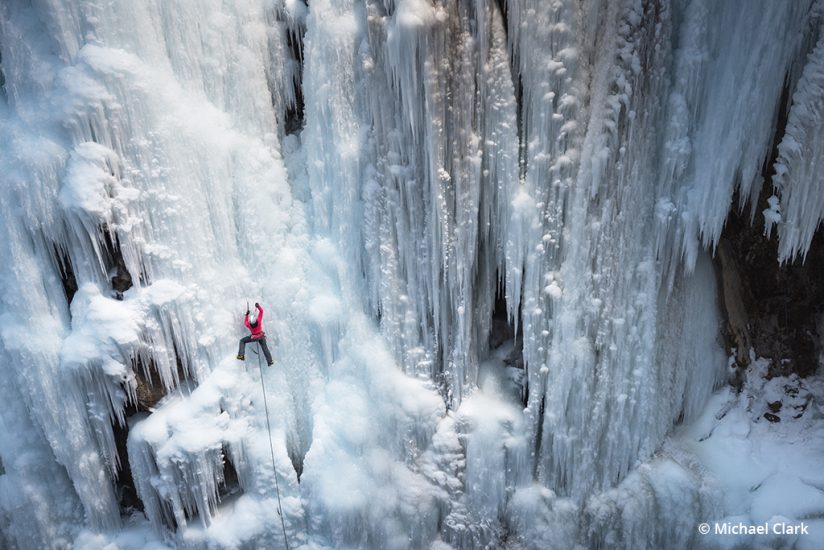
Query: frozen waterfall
(488, 237)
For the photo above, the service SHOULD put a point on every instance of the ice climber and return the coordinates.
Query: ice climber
(256, 328)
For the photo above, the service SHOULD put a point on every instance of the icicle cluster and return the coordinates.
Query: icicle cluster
(635, 131)
(106, 208)
(415, 151)
(799, 208)
(381, 172)
(177, 458)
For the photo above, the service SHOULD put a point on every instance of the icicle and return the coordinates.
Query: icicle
(798, 180)
(715, 145)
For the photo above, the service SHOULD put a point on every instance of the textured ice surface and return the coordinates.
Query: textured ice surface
(577, 158)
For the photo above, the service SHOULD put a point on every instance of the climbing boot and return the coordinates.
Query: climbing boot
(241, 357)
(270, 363)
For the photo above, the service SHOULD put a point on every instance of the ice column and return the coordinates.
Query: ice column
(440, 158)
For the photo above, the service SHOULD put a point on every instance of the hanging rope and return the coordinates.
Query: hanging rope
(272, 451)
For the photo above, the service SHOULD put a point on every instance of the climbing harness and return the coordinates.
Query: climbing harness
(272, 451)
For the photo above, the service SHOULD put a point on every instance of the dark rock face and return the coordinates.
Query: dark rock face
(735, 300)
(121, 281)
(230, 484)
(150, 389)
(126, 492)
(66, 270)
(770, 307)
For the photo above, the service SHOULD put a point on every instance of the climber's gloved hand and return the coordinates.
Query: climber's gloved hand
(257, 305)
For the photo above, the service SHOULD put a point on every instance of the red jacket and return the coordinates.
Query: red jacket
(257, 330)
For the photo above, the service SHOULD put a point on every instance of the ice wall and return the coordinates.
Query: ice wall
(411, 123)
(628, 158)
(128, 152)
(578, 158)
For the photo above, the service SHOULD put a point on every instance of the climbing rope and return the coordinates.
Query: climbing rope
(272, 451)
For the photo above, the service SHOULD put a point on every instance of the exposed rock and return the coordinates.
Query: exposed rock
(500, 329)
(121, 280)
(733, 294)
(770, 308)
(772, 418)
(776, 398)
(119, 276)
(67, 277)
(230, 483)
(150, 389)
(126, 492)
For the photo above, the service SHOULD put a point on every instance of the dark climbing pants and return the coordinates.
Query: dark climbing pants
(262, 341)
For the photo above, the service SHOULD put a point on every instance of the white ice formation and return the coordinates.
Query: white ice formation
(379, 174)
